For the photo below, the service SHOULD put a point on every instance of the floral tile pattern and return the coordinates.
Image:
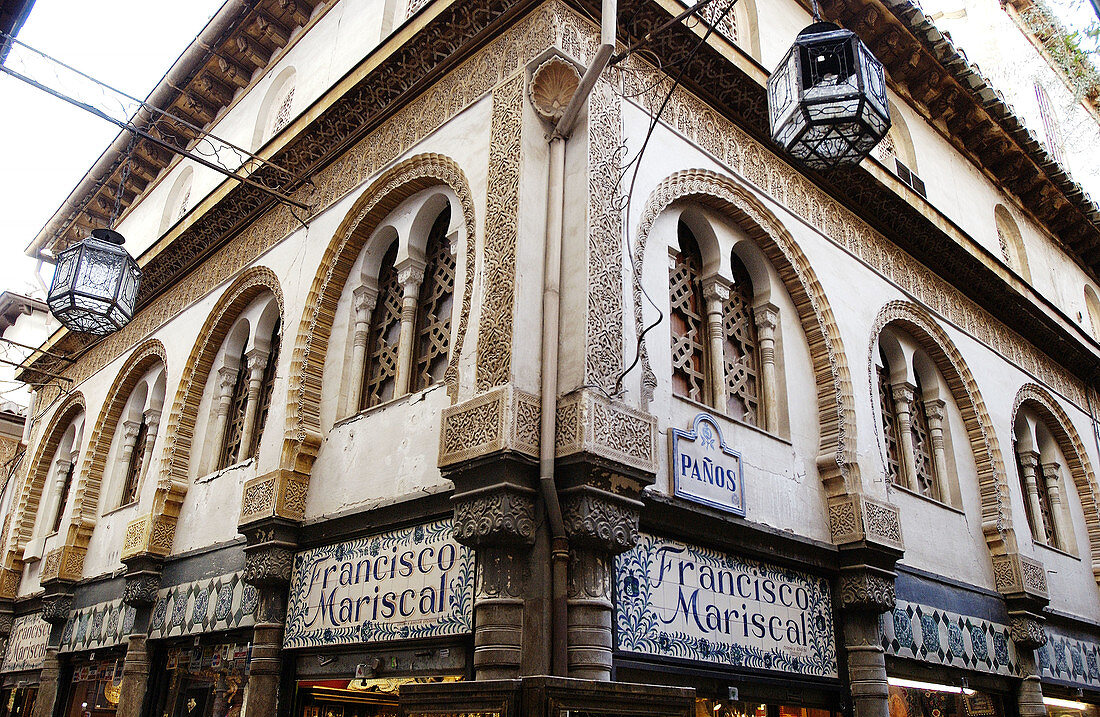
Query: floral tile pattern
(91, 628)
(678, 600)
(931, 635)
(26, 644)
(210, 605)
(1068, 659)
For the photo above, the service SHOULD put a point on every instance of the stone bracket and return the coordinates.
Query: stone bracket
(502, 420)
(502, 514)
(150, 534)
(857, 519)
(590, 423)
(9, 583)
(598, 520)
(867, 588)
(278, 494)
(64, 564)
(1019, 577)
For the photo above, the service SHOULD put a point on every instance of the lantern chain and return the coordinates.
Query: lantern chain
(125, 174)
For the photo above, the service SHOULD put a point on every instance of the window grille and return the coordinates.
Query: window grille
(266, 388)
(385, 331)
(231, 443)
(727, 27)
(889, 422)
(433, 326)
(1044, 506)
(740, 348)
(63, 499)
(183, 204)
(282, 115)
(1004, 246)
(134, 465)
(687, 319)
(923, 462)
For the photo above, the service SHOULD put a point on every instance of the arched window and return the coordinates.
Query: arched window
(686, 319)
(277, 107)
(1012, 244)
(398, 302)
(135, 436)
(738, 24)
(1039, 465)
(380, 381)
(179, 200)
(243, 385)
(914, 419)
(1092, 305)
(60, 474)
(433, 311)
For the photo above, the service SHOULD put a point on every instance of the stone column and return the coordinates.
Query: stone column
(268, 564)
(767, 319)
(363, 302)
(152, 424)
(130, 431)
(139, 595)
(499, 523)
(599, 525)
(257, 363)
(1051, 472)
(56, 606)
(865, 593)
(716, 292)
(1027, 633)
(410, 274)
(227, 379)
(934, 411)
(904, 394)
(1029, 465)
(57, 499)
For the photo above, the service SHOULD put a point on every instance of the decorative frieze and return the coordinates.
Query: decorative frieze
(221, 603)
(927, 634)
(92, 628)
(1069, 659)
(505, 419)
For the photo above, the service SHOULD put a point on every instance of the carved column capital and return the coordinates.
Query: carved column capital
(227, 379)
(129, 431)
(62, 465)
(268, 565)
(142, 581)
(363, 301)
(1051, 470)
(868, 589)
(152, 419)
(1028, 459)
(56, 607)
(715, 288)
(256, 359)
(903, 394)
(599, 520)
(495, 516)
(410, 272)
(1026, 630)
(934, 410)
(766, 317)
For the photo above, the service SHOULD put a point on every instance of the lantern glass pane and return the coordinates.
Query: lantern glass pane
(95, 287)
(100, 272)
(64, 271)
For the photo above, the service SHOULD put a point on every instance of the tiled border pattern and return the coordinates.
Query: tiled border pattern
(104, 625)
(221, 603)
(928, 634)
(1068, 659)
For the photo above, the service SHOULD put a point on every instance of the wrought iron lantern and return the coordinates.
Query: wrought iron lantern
(95, 284)
(827, 99)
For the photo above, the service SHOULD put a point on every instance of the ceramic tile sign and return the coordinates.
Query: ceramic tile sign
(406, 584)
(27, 643)
(682, 601)
(704, 469)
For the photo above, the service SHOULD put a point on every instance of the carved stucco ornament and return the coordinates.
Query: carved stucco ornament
(502, 515)
(598, 520)
(867, 589)
(141, 590)
(56, 607)
(553, 84)
(1027, 632)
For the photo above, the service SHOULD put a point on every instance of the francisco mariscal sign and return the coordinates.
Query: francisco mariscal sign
(704, 469)
(405, 584)
(679, 600)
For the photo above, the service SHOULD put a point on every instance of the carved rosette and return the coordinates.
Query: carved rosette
(1027, 631)
(268, 565)
(599, 520)
(868, 589)
(501, 515)
(56, 607)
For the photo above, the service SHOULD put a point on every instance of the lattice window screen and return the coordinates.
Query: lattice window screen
(63, 500)
(1044, 506)
(727, 25)
(740, 349)
(687, 320)
(282, 115)
(433, 324)
(923, 462)
(889, 422)
(885, 150)
(266, 387)
(133, 467)
(234, 427)
(385, 331)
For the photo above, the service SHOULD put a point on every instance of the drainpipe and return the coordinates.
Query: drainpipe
(551, 307)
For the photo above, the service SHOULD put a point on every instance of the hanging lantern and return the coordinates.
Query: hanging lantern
(827, 99)
(95, 284)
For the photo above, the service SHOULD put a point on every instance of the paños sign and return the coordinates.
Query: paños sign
(704, 469)
(405, 584)
(27, 644)
(679, 600)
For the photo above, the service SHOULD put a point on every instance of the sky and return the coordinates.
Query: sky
(46, 145)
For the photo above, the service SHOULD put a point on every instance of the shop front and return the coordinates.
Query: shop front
(754, 639)
(93, 647)
(200, 644)
(22, 661)
(369, 615)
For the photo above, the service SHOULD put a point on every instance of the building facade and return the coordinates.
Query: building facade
(621, 396)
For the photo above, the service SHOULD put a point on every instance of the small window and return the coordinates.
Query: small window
(135, 465)
(63, 497)
(234, 428)
(433, 325)
(687, 320)
(1051, 127)
(380, 381)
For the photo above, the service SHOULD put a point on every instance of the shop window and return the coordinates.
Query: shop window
(433, 324)
(96, 687)
(912, 698)
(199, 680)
